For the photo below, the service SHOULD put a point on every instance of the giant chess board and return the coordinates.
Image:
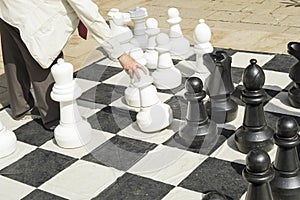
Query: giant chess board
(121, 162)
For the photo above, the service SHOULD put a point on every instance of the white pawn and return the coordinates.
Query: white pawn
(138, 16)
(120, 31)
(180, 45)
(132, 96)
(151, 54)
(72, 130)
(8, 141)
(154, 115)
(202, 36)
(166, 76)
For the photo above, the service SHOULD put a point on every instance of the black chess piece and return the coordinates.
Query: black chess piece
(258, 172)
(220, 107)
(213, 195)
(286, 184)
(294, 91)
(199, 132)
(254, 133)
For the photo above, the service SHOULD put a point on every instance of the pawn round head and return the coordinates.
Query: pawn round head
(151, 23)
(213, 195)
(257, 161)
(173, 12)
(253, 76)
(286, 127)
(194, 85)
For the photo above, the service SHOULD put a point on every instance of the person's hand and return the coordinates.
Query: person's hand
(130, 65)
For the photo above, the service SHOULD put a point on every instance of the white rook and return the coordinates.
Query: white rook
(8, 141)
(72, 130)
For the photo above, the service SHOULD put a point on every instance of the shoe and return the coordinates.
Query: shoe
(32, 113)
(50, 126)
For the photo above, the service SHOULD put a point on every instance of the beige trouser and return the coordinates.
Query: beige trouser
(21, 71)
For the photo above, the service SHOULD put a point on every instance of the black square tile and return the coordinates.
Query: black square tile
(103, 93)
(179, 106)
(214, 174)
(112, 119)
(33, 133)
(272, 118)
(97, 72)
(134, 187)
(120, 152)
(223, 135)
(237, 74)
(37, 167)
(42, 195)
(281, 63)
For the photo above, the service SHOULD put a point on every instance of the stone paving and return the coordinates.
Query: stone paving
(255, 25)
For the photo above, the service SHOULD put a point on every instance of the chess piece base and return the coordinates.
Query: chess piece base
(221, 110)
(247, 139)
(294, 97)
(155, 118)
(8, 143)
(198, 136)
(73, 135)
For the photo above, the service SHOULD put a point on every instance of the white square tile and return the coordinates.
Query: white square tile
(121, 78)
(179, 193)
(82, 180)
(9, 122)
(276, 80)
(85, 84)
(167, 164)
(86, 112)
(280, 104)
(242, 59)
(133, 131)
(11, 189)
(229, 152)
(109, 62)
(21, 150)
(98, 138)
(121, 103)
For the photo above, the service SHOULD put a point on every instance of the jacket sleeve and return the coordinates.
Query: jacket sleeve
(87, 12)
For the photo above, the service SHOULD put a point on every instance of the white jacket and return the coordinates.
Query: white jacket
(46, 25)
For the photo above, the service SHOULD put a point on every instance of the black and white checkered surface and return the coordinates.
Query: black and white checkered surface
(121, 162)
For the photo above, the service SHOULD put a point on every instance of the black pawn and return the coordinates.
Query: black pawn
(214, 195)
(258, 172)
(221, 108)
(199, 132)
(286, 184)
(254, 133)
(294, 91)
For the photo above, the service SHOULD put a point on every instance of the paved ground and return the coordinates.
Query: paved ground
(256, 25)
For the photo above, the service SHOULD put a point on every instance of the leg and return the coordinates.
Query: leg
(18, 79)
(41, 79)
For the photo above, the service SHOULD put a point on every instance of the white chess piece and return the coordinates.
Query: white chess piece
(8, 141)
(180, 45)
(72, 130)
(151, 54)
(138, 16)
(166, 76)
(202, 36)
(120, 31)
(154, 115)
(131, 95)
